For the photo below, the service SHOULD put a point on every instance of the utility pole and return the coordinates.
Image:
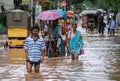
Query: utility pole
(38, 9)
(58, 3)
(31, 10)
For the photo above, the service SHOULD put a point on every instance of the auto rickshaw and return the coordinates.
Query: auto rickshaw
(89, 20)
(17, 31)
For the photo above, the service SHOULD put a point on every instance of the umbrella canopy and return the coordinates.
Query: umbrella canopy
(61, 12)
(48, 15)
(70, 13)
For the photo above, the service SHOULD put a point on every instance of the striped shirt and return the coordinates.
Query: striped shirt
(34, 47)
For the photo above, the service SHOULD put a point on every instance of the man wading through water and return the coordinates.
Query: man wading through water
(34, 48)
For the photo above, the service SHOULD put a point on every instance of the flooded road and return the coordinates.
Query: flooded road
(100, 63)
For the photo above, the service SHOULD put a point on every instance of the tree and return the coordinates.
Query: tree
(102, 5)
(77, 1)
(3, 19)
(48, 5)
(114, 4)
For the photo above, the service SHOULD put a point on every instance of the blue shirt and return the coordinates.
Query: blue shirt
(34, 47)
(55, 31)
(112, 24)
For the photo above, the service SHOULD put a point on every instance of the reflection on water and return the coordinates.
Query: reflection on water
(33, 77)
(113, 67)
(100, 63)
(16, 56)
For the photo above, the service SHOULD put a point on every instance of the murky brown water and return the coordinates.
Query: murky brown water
(100, 63)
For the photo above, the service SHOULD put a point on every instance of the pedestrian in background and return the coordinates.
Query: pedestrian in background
(102, 25)
(34, 48)
(112, 25)
(75, 42)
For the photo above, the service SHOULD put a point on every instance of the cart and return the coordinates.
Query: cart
(50, 16)
(90, 20)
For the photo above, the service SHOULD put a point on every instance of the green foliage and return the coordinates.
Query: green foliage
(114, 4)
(48, 5)
(89, 5)
(2, 20)
(24, 7)
(93, 1)
(77, 1)
(102, 5)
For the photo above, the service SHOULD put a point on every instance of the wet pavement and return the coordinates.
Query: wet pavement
(100, 63)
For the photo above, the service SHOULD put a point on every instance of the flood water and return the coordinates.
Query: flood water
(101, 62)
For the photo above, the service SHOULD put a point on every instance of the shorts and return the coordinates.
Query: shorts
(34, 63)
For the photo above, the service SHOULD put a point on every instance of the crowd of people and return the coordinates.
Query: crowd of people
(111, 25)
(36, 47)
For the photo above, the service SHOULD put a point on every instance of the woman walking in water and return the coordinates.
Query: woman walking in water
(75, 42)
